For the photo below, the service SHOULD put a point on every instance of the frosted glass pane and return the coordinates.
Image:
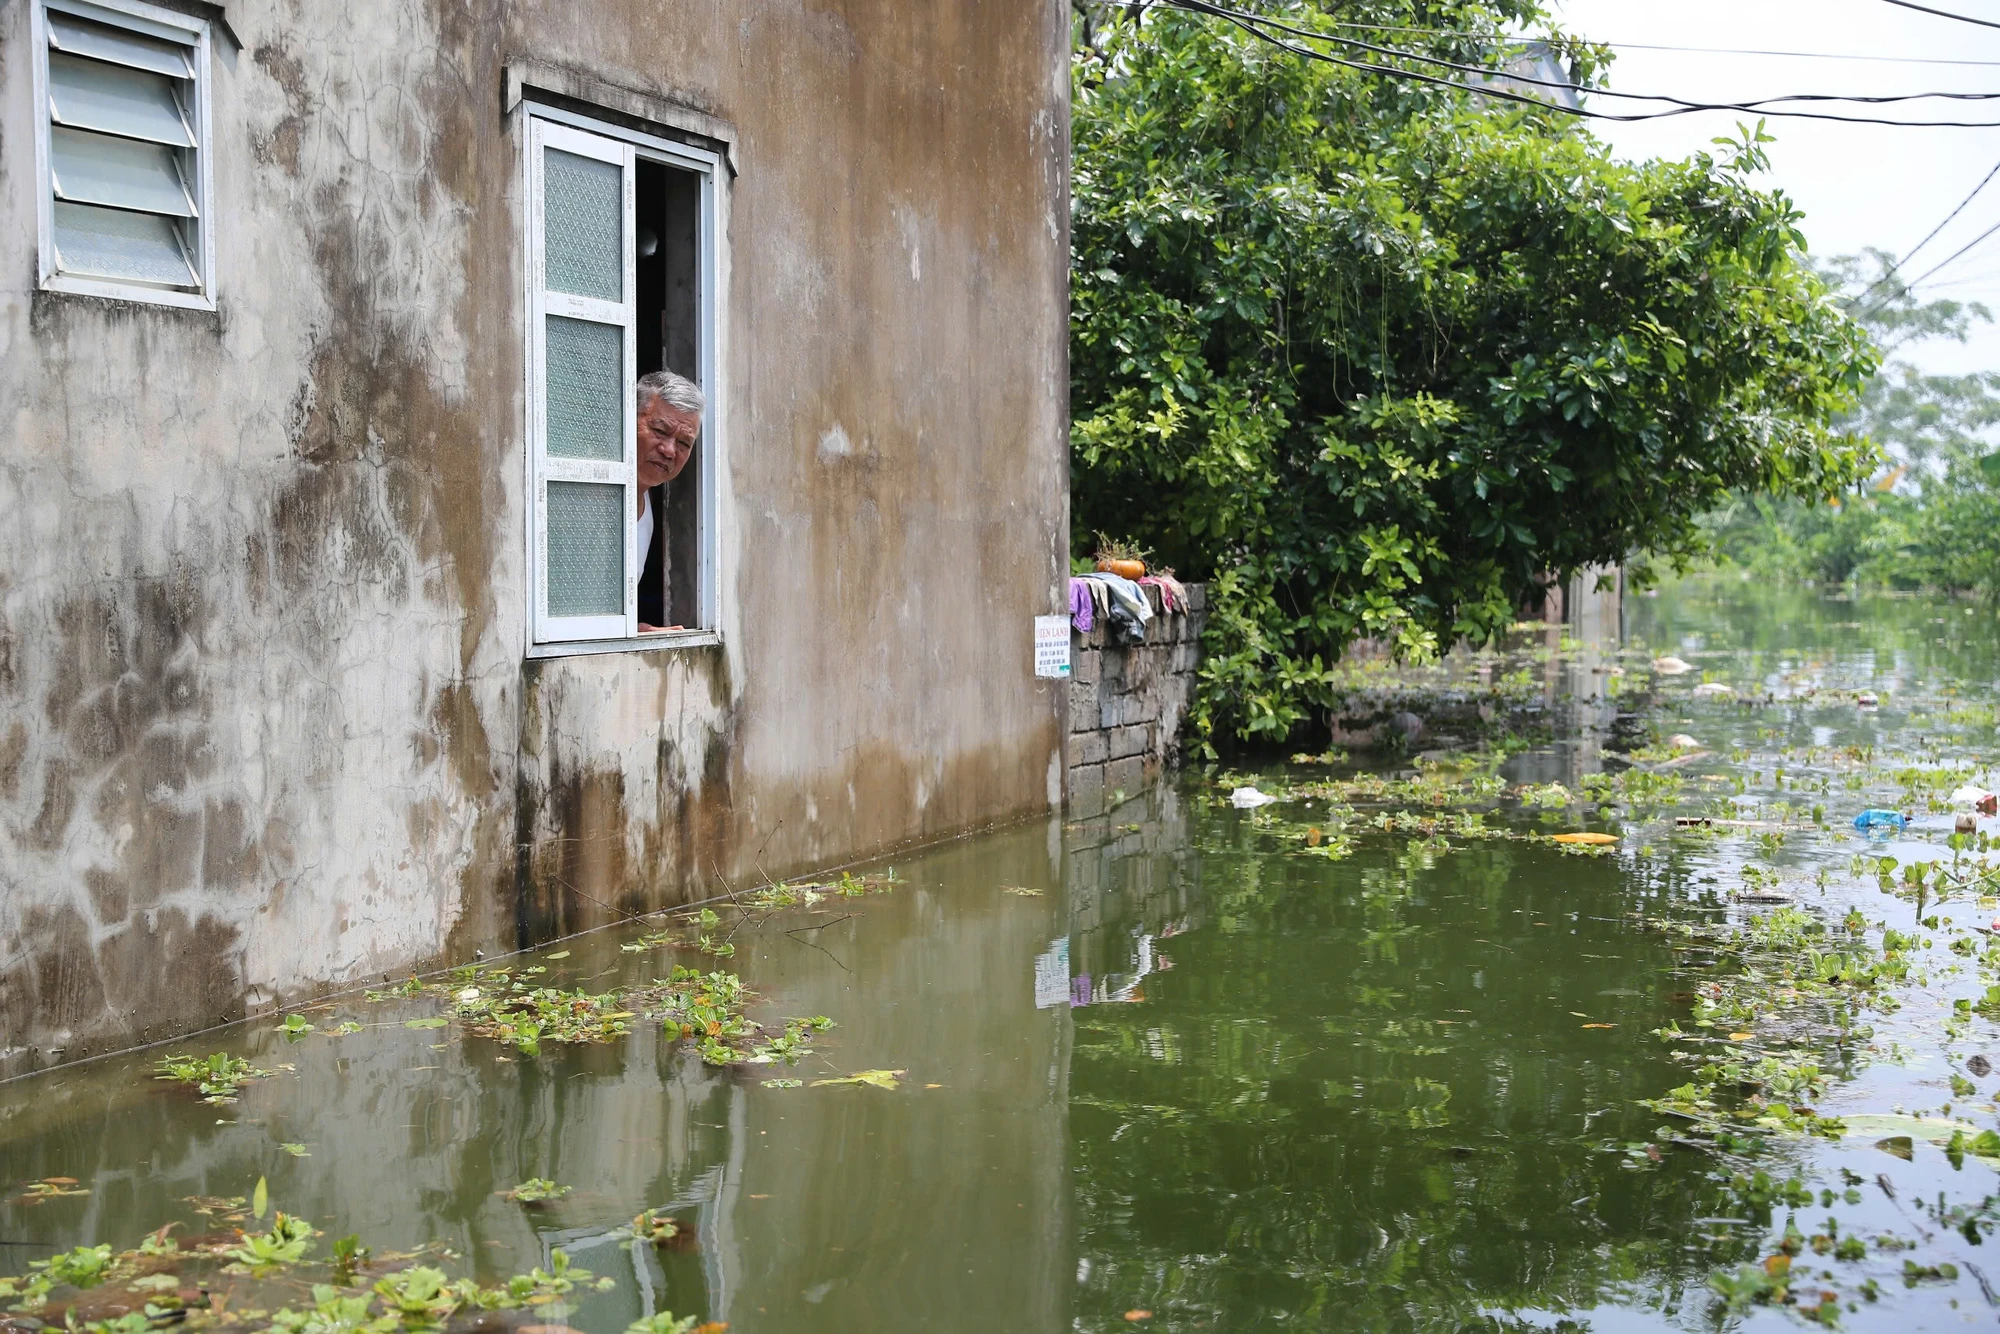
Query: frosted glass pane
(125, 173)
(109, 243)
(84, 38)
(90, 95)
(586, 389)
(586, 549)
(583, 225)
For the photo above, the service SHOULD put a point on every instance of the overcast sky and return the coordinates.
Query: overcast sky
(1859, 185)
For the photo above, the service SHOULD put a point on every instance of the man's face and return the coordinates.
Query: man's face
(666, 441)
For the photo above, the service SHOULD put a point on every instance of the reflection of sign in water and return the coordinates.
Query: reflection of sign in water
(1052, 975)
(1052, 646)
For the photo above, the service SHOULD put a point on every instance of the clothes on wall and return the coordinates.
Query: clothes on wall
(1082, 607)
(1173, 594)
(1120, 600)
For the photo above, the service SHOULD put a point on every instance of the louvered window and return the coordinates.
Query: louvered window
(123, 138)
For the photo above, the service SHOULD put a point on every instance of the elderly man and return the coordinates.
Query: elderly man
(670, 408)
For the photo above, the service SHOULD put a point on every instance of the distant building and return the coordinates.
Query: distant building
(319, 632)
(1535, 69)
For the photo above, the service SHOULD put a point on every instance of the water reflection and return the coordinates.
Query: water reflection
(1362, 1093)
(830, 1208)
(1155, 1061)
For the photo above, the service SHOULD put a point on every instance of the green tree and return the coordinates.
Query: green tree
(1377, 359)
(1932, 518)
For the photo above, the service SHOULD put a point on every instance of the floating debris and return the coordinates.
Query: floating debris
(880, 1079)
(49, 1188)
(1979, 798)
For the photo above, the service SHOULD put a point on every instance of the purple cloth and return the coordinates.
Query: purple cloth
(1079, 991)
(1082, 611)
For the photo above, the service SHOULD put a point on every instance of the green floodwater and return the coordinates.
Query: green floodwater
(1168, 1067)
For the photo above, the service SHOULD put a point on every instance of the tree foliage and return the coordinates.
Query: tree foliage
(1377, 359)
(1932, 518)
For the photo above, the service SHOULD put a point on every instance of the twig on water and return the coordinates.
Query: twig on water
(820, 926)
(814, 944)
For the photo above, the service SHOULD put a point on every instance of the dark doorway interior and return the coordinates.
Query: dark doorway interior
(668, 210)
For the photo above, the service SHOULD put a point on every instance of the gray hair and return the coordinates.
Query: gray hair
(681, 394)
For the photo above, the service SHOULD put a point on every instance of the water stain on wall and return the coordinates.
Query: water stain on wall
(265, 723)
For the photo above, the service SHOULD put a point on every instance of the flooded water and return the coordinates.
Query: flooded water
(1184, 1066)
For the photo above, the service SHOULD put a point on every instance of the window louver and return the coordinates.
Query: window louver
(122, 154)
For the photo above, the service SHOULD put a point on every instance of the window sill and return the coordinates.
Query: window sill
(136, 293)
(671, 639)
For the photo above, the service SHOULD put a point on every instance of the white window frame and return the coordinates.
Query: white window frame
(152, 21)
(545, 468)
(558, 127)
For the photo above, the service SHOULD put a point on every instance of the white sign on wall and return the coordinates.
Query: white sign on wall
(1052, 647)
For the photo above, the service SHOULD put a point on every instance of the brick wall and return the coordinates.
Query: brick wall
(1126, 704)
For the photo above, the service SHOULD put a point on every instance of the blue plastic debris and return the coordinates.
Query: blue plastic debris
(1879, 819)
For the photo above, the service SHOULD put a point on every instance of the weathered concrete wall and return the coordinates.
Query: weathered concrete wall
(265, 722)
(1126, 703)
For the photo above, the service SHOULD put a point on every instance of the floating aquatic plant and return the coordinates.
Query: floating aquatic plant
(535, 1190)
(704, 1008)
(216, 1077)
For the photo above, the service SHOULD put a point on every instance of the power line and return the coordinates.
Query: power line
(1897, 265)
(1792, 55)
(1983, 181)
(1942, 13)
(1255, 25)
(1693, 50)
(1753, 104)
(1954, 255)
(1985, 276)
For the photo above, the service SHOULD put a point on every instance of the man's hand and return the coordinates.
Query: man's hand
(646, 629)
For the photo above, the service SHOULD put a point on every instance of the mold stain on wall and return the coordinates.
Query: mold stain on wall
(265, 722)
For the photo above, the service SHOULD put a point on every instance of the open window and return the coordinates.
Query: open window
(621, 276)
(121, 145)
